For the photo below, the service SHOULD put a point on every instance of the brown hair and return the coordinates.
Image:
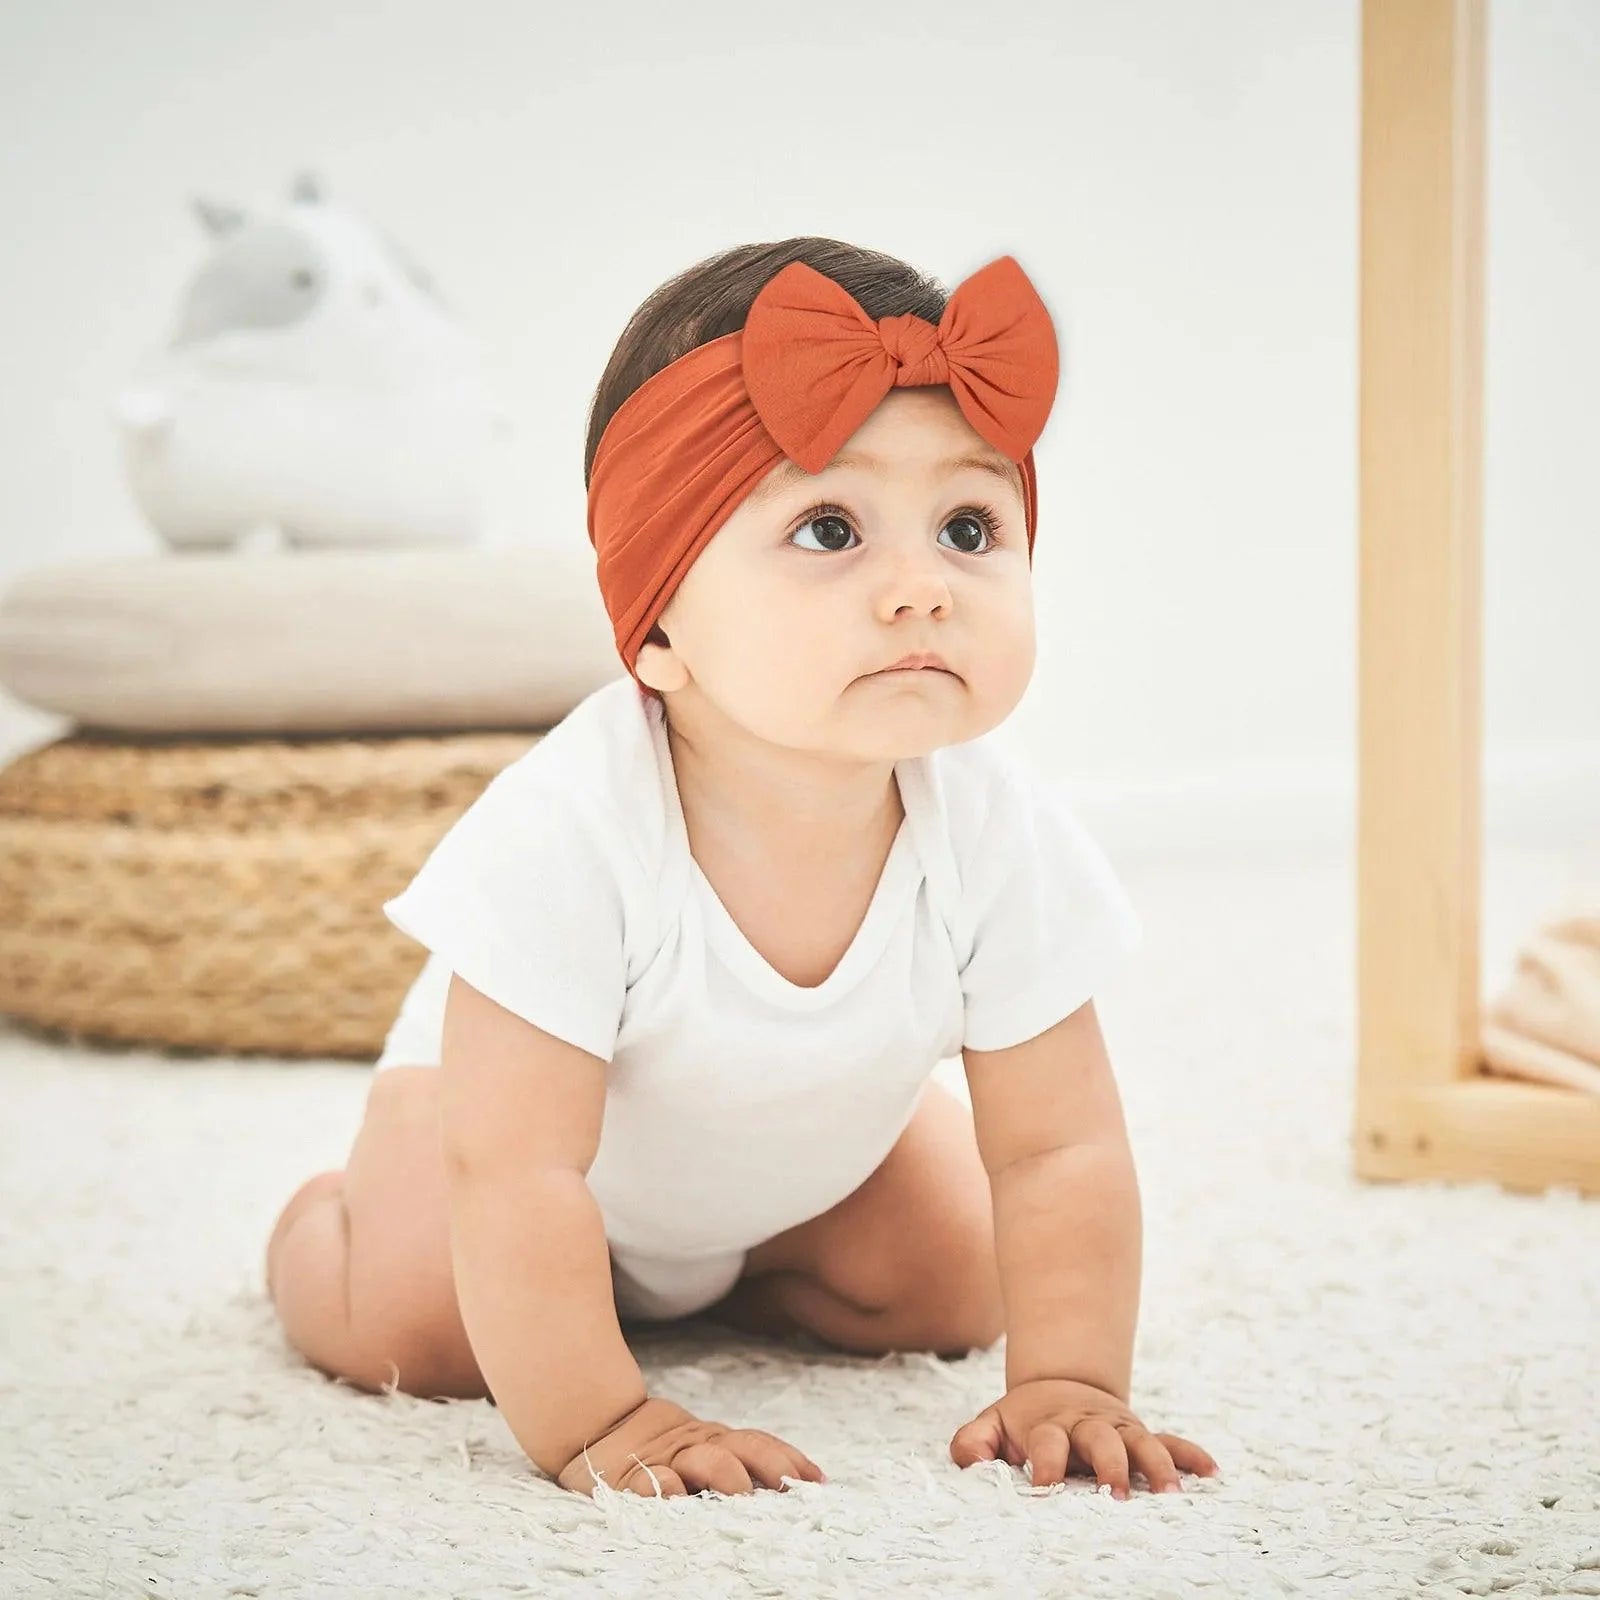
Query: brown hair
(713, 298)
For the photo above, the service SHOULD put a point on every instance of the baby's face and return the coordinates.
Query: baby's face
(815, 583)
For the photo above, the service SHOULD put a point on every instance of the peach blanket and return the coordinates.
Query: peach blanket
(1545, 1024)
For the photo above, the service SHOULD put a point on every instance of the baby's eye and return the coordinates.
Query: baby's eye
(834, 529)
(975, 525)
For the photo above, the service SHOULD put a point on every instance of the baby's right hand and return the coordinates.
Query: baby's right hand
(685, 1455)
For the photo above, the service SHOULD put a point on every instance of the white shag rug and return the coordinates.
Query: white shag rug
(1401, 1384)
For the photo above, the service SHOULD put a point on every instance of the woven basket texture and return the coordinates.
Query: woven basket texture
(219, 895)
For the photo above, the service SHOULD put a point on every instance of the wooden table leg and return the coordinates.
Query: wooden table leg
(1424, 1107)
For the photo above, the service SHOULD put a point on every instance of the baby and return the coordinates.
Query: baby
(694, 956)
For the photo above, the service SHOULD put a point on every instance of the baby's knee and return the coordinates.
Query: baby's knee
(949, 1295)
(973, 1324)
(308, 1278)
(387, 1341)
(308, 1269)
(310, 1193)
(946, 1325)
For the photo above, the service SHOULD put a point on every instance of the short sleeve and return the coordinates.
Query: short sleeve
(1048, 920)
(523, 898)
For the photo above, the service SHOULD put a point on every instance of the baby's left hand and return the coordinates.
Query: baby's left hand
(1051, 1421)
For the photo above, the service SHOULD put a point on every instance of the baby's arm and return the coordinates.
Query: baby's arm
(1068, 1219)
(1068, 1234)
(521, 1113)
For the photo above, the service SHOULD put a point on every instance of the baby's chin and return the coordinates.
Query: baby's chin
(898, 719)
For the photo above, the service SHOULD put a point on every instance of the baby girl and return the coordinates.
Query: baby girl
(695, 955)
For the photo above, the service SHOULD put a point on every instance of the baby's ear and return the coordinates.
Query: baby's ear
(657, 664)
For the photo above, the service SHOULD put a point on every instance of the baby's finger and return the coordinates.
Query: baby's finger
(712, 1466)
(805, 1466)
(1149, 1455)
(1188, 1456)
(653, 1482)
(800, 1465)
(978, 1440)
(1048, 1449)
(1102, 1448)
(766, 1459)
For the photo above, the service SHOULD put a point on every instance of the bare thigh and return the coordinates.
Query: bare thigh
(359, 1265)
(906, 1261)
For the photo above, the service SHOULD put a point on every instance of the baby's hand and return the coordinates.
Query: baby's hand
(662, 1450)
(1058, 1423)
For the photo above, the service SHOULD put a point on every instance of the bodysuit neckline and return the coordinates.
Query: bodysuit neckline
(902, 867)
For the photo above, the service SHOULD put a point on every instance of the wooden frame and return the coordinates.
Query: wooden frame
(1425, 1108)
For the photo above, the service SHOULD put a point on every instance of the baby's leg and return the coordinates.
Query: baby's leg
(358, 1265)
(906, 1262)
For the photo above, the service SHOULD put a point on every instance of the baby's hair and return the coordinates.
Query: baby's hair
(713, 298)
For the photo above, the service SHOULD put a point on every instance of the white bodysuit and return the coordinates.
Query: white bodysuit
(737, 1103)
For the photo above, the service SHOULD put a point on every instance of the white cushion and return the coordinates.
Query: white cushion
(311, 641)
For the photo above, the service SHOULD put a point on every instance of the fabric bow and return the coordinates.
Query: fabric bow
(816, 365)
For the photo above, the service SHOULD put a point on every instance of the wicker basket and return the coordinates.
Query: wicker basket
(217, 895)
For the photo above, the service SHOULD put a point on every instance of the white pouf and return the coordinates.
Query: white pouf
(310, 641)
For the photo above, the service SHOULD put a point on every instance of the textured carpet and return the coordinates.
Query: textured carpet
(1400, 1383)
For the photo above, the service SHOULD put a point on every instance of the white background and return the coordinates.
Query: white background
(1179, 180)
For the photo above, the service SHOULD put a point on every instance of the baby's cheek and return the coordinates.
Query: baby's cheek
(1015, 645)
(789, 660)
(771, 678)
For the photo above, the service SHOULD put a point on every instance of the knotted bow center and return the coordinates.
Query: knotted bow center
(913, 342)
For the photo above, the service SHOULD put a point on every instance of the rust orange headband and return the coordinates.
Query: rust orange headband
(806, 370)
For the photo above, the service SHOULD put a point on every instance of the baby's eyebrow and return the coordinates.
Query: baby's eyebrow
(790, 471)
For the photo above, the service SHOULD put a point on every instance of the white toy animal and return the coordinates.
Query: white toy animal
(314, 382)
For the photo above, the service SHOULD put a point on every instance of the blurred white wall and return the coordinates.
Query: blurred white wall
(1179, 180)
